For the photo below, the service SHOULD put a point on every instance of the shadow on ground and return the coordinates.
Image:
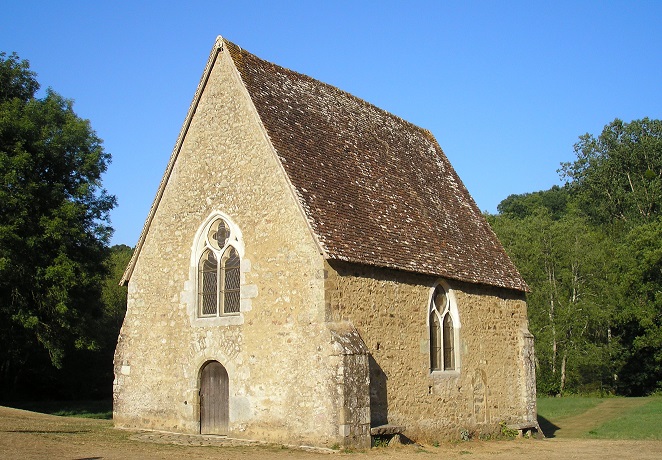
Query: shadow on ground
(547, 427)
(101, 409)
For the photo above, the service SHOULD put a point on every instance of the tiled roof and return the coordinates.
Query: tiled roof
(376, 189)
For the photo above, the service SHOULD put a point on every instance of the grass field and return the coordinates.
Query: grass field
(601, 418)
(558, 408)
(644, 422)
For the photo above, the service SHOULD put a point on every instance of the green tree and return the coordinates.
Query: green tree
(570, 305)
(618, 176)
(54, 226)
(555, 200)
(88, 374)
(616, 180)
(113, 295)
(591, 253)
(639, 316)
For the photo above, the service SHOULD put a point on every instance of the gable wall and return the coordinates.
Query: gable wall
(389, 309)
(272, 357)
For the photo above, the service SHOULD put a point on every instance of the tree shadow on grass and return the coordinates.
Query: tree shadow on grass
(547, 427)
(102, 409)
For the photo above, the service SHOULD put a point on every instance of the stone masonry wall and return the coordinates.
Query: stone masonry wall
(351, 385)
(389, 309)
(277, 351)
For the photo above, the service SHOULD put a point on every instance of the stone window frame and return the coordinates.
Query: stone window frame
(201, 245)
(450, 310)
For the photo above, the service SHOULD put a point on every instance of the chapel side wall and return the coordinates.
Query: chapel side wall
(277, 354)
(389, 309)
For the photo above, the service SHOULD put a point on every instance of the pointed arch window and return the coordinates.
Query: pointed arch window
(443, 331)
(219, 274)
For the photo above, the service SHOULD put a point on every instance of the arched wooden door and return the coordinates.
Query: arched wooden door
(214, 399)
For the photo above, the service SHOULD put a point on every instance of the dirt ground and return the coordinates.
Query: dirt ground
(27, 435)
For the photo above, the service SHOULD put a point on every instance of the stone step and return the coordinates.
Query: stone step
(385, 430)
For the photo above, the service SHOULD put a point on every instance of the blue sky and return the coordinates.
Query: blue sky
(506, 87)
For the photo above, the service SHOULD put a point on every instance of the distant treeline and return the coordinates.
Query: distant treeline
(591, 252)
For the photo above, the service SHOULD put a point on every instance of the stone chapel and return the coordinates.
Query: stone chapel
(313, 271)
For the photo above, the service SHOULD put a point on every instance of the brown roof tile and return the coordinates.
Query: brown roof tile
(376, 189)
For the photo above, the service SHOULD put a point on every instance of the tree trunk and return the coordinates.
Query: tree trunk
(614, 375)
(552, 282)
(563, 363)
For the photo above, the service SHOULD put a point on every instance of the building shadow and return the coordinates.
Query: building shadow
(547, 427)
(378, 394)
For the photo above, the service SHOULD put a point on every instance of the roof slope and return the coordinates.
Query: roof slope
(376, 189)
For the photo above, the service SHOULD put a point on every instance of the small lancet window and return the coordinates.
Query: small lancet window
(219, 275)
(231, 277)
(442, 332)
(208, 283)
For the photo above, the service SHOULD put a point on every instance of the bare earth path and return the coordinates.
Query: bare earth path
(28, 436)
(578, 426)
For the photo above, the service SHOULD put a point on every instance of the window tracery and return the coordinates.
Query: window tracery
(443, 331)
(219, 274)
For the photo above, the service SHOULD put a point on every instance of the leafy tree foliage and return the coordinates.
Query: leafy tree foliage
(85, 373)
(562, 260)
(54, 225)
(88, 374)
(618, 176)
(639, 316)
(591, 252)
(555, 200)
(114, 296)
